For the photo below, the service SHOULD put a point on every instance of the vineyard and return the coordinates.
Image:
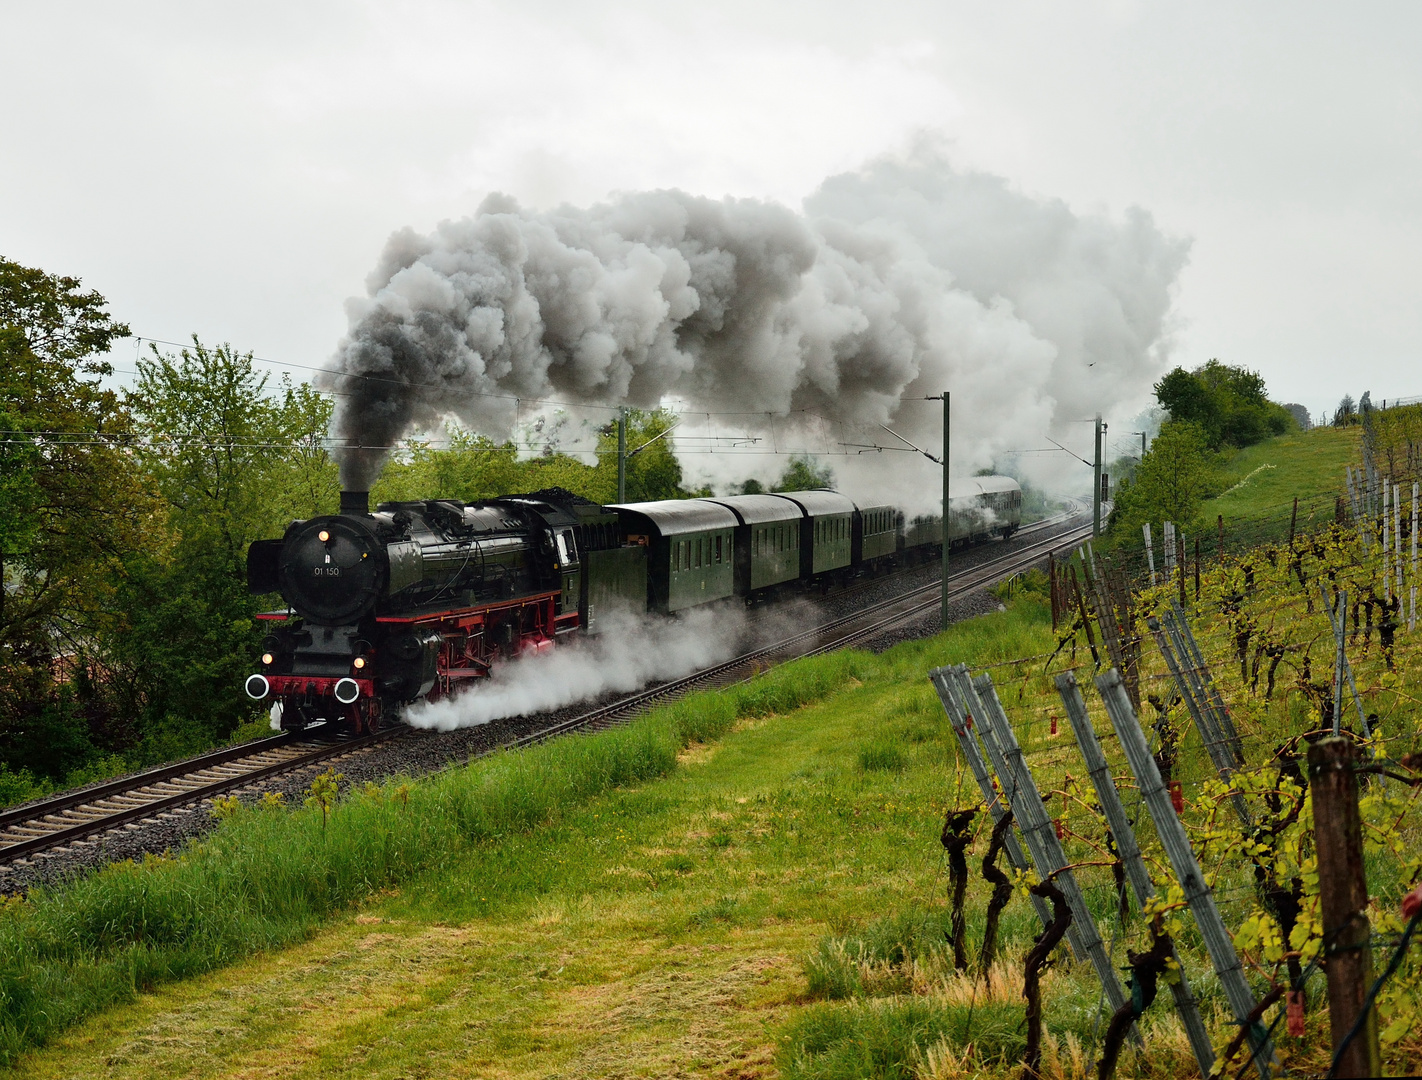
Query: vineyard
(1146, 787)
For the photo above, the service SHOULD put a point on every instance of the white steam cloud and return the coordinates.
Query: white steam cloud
(897, 281)
(629, 652)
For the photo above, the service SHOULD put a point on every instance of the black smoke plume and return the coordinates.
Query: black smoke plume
(898, 280)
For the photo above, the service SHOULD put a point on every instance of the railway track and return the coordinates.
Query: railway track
(132, 801)
(76, 815)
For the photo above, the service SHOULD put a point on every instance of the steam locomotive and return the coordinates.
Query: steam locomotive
(417, 599)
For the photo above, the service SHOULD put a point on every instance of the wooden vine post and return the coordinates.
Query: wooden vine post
(1343, 898)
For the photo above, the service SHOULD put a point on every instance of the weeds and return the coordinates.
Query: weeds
(723, 911)
(890, 1039)
(322, 794)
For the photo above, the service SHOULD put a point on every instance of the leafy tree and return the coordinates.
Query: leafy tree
(59, 323)
(1228, 404)
(1172, 480)
(804, 474)
(1346, 413)
(231, 462)
(473, 467)
(71, 508)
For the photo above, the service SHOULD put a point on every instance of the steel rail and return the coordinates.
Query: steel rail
(78, 797)
(111, 818)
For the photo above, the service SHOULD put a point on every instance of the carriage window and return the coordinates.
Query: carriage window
(699, 544)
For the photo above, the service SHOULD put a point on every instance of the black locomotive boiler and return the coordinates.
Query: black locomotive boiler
(413, 600)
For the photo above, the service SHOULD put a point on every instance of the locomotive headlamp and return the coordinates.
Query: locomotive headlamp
(267, 658)
(323, 536)
(359, 662)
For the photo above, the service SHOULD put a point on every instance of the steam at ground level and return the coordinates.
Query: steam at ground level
(629, 652)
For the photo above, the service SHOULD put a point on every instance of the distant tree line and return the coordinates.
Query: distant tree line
(126, 629)
(1213, 411)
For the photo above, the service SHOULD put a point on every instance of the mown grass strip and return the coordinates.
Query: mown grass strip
(267, 878)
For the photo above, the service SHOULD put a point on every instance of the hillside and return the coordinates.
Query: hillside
(1261, 481)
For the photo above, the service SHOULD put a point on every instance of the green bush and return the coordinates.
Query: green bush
(21, 786)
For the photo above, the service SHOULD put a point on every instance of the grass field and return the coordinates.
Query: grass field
(627, 926)
(1261, 481)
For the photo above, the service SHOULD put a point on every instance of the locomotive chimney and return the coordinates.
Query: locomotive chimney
(355, 502)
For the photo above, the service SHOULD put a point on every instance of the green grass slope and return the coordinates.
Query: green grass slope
(1261, 481)
(633, 903)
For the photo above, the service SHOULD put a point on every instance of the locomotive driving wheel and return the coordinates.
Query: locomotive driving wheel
(364, 716)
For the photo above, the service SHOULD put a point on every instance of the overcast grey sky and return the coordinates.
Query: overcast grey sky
(234, 170)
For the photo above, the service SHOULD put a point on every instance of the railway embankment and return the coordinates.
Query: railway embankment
(753, 882)
(668, 874)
